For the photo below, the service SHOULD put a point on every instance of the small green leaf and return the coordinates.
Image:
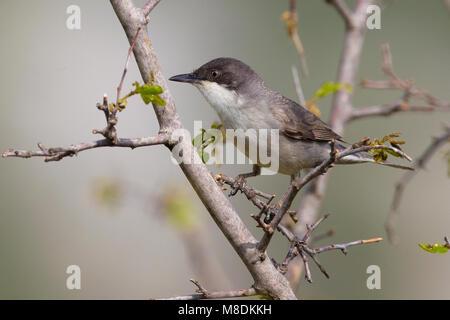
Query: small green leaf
(331, 87)
(391, 152)
(205, 157)
(149, 90)
(157, 100)
(435, 248)
(149, 93)
(197, 141)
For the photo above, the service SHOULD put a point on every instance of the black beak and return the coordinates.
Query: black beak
(188, 77)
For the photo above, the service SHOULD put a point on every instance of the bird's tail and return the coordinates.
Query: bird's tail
(364, 157)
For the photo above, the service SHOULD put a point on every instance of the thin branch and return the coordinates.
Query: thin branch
(125, 69)
(296, 184)
(395, 82)
(149, 7)
(298, 86)
(217, 295)
(344, 246)
(303, 249)
(203, 294)
(400, 186)
(291, 22)
(390, 109)
(58, 153)
(344, 11)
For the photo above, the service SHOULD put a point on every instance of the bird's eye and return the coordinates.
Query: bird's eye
(214, 74)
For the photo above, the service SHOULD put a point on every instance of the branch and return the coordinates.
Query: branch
(389, 109)
(274, 214)
(125, 69)
(400, 186)
(344, 11)
(348, 66)
(291, 22)
(298, 87)
(205, 294)
(299, 246)
(395, 82)
(149, 6)
(58, 153)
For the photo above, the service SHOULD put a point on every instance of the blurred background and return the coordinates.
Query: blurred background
(104, 210)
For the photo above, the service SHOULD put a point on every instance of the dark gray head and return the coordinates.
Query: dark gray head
(229, 73)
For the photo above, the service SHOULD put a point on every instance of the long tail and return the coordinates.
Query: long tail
(364, 157)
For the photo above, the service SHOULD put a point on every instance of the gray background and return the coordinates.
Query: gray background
(52, 77)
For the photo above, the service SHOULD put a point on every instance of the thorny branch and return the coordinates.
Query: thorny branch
(402, 104)
(202, 293)
(401, 184)
(274, 213)
(58, 153)
(299, 246)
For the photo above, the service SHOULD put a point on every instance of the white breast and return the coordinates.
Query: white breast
(226, 103)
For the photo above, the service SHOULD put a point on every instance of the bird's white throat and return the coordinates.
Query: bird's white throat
(226, 103)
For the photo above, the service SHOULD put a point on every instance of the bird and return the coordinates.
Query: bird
(243, 101)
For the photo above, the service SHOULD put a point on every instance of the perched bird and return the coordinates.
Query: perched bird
(243, 101)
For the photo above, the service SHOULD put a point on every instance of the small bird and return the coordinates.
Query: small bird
(243, 101)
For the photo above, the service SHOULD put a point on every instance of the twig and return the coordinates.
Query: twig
(295, 186)
(58, 153)
(298, 86)
(395, 82)
(200, 289)
(218, 295)
(149, 7)
(291, 21)
(344, 11)
(125, 69)
(344, 246)
(390, 109)
(203, 294)
(400, 186)
(276, 213)
(303, 249)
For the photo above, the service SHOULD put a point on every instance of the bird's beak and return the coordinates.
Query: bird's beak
(188, 77)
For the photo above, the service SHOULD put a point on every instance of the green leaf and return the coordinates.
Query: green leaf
(205, 157)
(395, 154)
(331, 87)
(157, 100)
(149, 90)
(150, 93)
(198, 140)
(435, 248)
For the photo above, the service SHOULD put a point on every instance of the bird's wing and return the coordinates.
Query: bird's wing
(300, 123)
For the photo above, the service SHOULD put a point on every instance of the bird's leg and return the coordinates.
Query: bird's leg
(240, 179)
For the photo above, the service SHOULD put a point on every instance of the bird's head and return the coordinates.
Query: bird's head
(221, 80)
